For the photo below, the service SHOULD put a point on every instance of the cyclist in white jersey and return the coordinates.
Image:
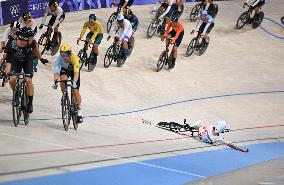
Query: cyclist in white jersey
(256, 6)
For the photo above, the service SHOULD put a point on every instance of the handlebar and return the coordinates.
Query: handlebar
(63, 81)
(86, 42)
(19, 75)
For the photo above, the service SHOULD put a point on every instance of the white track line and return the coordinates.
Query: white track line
(105, 155)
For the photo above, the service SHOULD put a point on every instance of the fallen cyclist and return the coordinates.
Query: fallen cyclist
(208, 134)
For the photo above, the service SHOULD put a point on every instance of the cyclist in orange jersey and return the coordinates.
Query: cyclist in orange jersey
(176, 34)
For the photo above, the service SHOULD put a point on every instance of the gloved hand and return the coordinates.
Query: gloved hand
(161, 18)
(41, 26)
(74, 85)
(192, 32)
(108, 38)
(78, 40)
(44, 61)
(54, 86)
(163, 38)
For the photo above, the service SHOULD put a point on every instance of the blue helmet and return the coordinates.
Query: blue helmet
(93, 17)
(220, 126)
(203, 12)
(174, 19)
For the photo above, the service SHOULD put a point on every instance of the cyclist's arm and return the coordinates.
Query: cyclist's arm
(84, 29)
(5, 37)
(255, 3)
(168, 29)
(59, 12)
(45, 15)
(247, 1)
(76, 66)
(125, 4)
(167, 10)
(57, 67)
(197, 25)
(206, 27)
(98, 30)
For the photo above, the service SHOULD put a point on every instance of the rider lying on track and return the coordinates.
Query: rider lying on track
(95, 34)
(257, 4)
(176, 33)
(57, 16)
(206, 23)
(67, 65)
(211, 134)
(20, 55)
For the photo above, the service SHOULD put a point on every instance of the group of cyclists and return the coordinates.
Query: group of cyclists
(21, 50)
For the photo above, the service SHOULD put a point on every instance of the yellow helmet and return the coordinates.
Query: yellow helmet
(65, 48)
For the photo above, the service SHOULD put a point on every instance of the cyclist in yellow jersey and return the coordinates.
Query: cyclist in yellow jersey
(67, 65)
(96, 34)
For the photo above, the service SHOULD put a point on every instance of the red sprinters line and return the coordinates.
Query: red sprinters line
(121, 144)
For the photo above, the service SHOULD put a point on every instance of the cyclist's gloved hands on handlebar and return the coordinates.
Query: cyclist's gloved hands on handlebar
(74, 85)
(54, 86)
(41, 26)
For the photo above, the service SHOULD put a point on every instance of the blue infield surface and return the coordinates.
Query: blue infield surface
(176, 170)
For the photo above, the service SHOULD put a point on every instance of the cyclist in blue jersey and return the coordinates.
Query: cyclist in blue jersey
(205, 24)
(133, 19)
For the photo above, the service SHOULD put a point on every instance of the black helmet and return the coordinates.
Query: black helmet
(52, 3)
(27, 15)
(15, 24)
(174, 19)
(93, 17)
(25, 33)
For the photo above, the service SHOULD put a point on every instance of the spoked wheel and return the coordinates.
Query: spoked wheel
(242, 20)
(74, 113)
(191, 47)
(16, 106)
(91, 64)
(83, 57)
(66, 114)
(161, 61)
(204, 46)
(110, 21)
(194, 13)
(257, 21)
(109, 56)
(44, 42)
(282, 20)
(152, 28)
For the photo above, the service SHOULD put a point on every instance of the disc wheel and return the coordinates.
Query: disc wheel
(204, 45)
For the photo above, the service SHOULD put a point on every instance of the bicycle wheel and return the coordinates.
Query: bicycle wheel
(191, 47)
(161, 61)
(91, 63)
(194, 13)
(282, 20)
(24, 105)
(152, 28)
(41, 41)
(110, 21)
(242, 20)
(120, 59)
(66, 115)
(16, 107)
(83, 57)
(204, 46)
(257, 21)
(74, 112)
(108, 56)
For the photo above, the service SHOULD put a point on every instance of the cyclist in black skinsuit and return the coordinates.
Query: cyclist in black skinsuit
(123, 3)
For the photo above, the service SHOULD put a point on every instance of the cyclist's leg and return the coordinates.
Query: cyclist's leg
(63, 76)
(77, 95)
(257, 8)
(206, 37)
(201, 29)
(28, 69)
(95, 49)
(16, 68)
(175, 48)
(51, 23)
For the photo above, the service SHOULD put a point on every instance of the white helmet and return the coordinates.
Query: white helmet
(220, 126)
(120, 17)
